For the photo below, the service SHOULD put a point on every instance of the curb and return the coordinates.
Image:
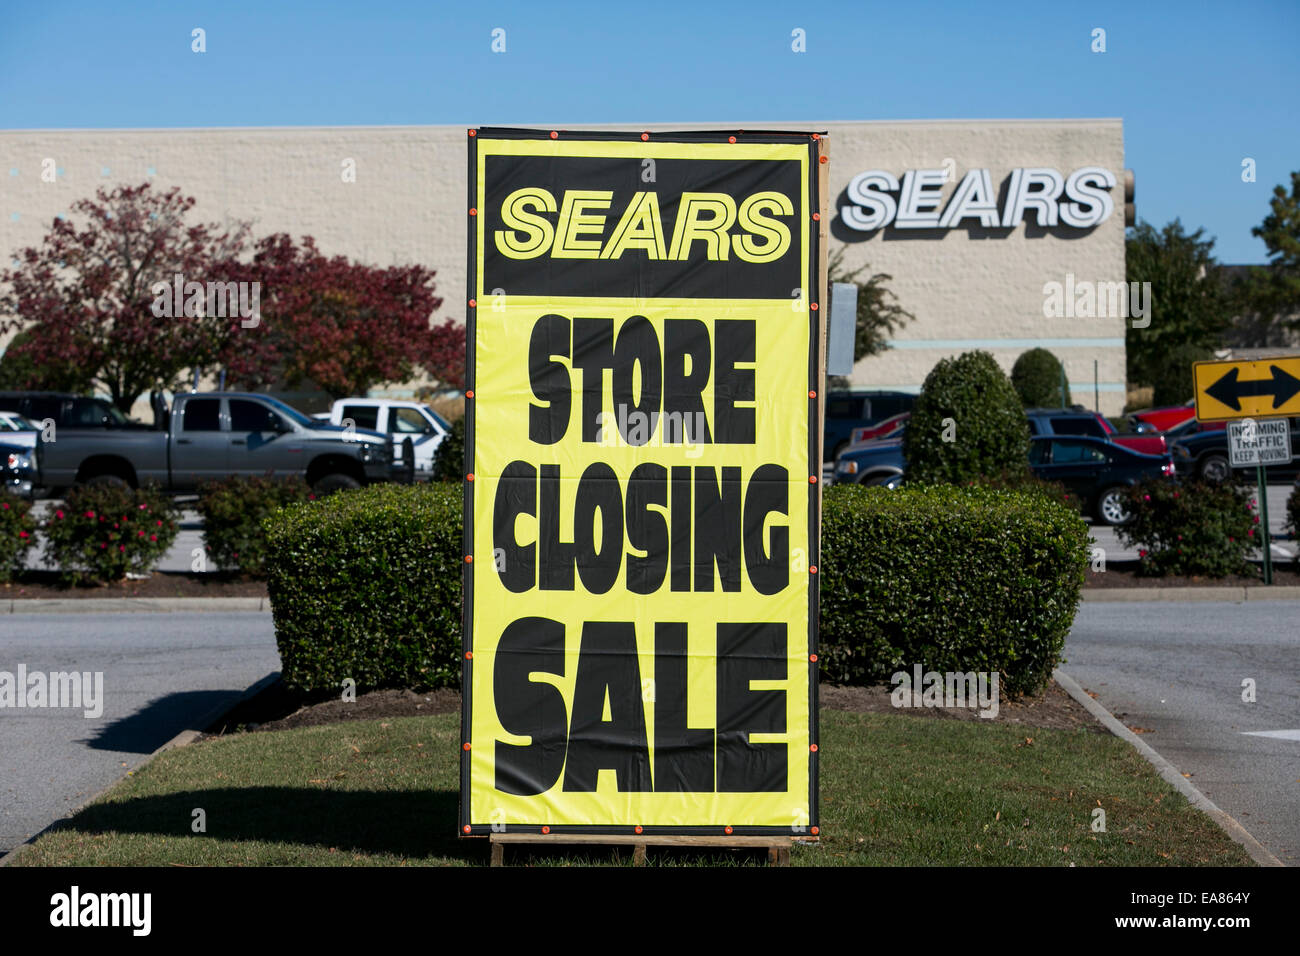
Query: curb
(1237, 593)
(132, 605)
(183, 739)
(1169, 772)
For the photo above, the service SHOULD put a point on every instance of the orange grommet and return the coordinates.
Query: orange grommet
(731, 139)
(465, 745)
(823, 159)
(473, 303)
(817, 217)
(726, 830)
(811, 657)
(547, 829)
(554, 135)
(644, 137)
(815, 136)
(470, 393)
(814, 307)
(470, 476)
(812, 747)
(465, 828)
(473, 211)
(816, 830)
(469, 655)
(812, 393)
(469, 559)
(812, 569)
(638, 828)
(472, 133)
(812, 479)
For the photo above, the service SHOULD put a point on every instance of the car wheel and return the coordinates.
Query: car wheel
(110, 481)
(1112, 506)
(1215, 468)
(332, 483)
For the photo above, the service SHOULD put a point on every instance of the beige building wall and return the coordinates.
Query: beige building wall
(405, 204)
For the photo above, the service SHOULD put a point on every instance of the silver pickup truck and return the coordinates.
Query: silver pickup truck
(211, 435)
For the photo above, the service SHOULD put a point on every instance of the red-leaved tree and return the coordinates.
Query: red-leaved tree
(84, 296)
(340, 325)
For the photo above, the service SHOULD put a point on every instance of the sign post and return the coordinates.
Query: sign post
(1242, 392)
(642, 486)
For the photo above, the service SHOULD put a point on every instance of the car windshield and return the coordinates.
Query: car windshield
(442, 422)
(292, 413)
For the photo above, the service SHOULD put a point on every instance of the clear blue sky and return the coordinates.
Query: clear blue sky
(1200, 86)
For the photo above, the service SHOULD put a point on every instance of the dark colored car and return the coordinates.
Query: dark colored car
(1205, 454)
(18, 470)
(1078, 420)
(1096, 471)
(66, 410)
(851, 409)
(1161, 419)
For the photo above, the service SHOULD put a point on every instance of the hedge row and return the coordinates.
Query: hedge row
(1193, 527)
(367, 585)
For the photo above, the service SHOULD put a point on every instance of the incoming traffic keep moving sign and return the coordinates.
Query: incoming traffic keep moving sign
(641, 497)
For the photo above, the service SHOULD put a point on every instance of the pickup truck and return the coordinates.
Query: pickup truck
(211, 435)
(399, 420)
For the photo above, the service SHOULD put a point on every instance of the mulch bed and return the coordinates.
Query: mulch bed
(275, 708)
(1124, 574)
(161, 584)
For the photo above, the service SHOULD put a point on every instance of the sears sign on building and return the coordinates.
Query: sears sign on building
(876, 199)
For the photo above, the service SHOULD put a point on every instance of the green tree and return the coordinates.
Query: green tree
(1188, 304)
(879, 314)
(1037, 378)
(968, 424)
(26, 365)
(1274, 290)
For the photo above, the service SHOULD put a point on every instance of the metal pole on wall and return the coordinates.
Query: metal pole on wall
(1266, 539)
(1062, 364)
(1096, 389)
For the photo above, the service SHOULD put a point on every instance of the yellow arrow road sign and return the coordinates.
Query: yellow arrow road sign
(1258, 389)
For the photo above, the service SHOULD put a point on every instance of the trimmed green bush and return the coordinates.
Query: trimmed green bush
(17, 534)
(233, 511)
(968, 422)
(105, 531)
(1036, 377)
(1026, 482)
(951, 578)
(449, 458)
(1192, 527)
(367, 585)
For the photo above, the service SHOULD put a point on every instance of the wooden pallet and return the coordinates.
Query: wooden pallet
(778, 848)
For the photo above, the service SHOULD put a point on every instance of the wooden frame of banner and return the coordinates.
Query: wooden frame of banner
(778, 848)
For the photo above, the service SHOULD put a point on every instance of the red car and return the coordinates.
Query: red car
(891, 427)
(1163, 419)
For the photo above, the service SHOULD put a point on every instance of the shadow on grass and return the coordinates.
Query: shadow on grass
(404, 823)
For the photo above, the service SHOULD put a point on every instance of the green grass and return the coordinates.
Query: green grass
(896, 790)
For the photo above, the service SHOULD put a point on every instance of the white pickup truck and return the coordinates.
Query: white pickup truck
(399, 420)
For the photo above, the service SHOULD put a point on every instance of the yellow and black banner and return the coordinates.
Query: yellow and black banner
(642, 483)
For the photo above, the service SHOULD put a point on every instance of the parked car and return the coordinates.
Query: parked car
(17, 430)
(1189, 428)
(1077, 420)
(891, 427)
(1161, 419)
(1205, 454)
(212, 435)
(18, 471)
(850, 409)
(1095, 470)
(67, 410)
(399, 420)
